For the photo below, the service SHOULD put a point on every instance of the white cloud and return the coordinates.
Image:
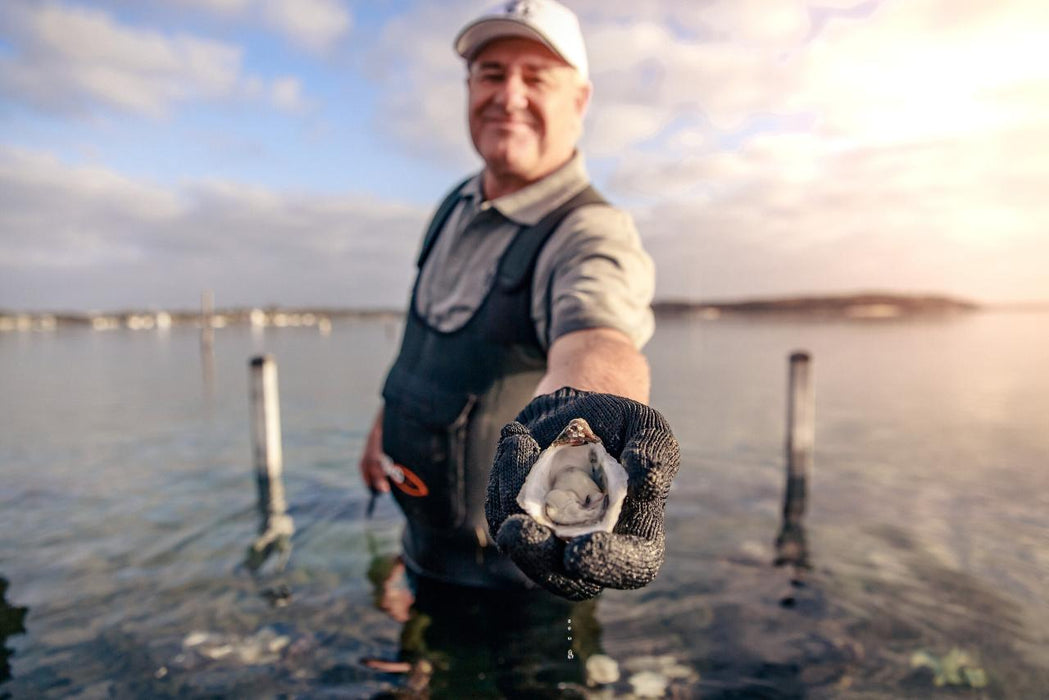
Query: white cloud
(222, 7)
(286, 93)
(723, 81)
(608, 128)
(898, 149)
(74, 60)
(85, 237)
(312, 24)
(757, 21)
(423, 105)
(799, 213)
(48, 210)
(925, 70)
(315, 24)
(68, 57)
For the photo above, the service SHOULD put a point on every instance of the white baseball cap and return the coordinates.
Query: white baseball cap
(545, 21)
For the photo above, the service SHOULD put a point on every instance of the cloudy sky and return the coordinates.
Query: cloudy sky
(290, 151)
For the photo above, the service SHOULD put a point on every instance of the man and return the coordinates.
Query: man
(531, 290)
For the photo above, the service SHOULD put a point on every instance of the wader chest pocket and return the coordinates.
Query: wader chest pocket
(424, 429)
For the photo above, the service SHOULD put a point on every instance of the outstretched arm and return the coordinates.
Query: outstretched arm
(600, 376)
(597, 359)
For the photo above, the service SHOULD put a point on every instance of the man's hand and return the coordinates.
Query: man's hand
(628, 557)
(371, 460)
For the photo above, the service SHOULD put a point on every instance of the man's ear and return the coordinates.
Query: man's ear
(583, 98)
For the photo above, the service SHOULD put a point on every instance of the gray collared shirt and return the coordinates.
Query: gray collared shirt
(593, 266)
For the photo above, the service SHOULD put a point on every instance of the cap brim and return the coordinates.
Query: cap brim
(473, 38)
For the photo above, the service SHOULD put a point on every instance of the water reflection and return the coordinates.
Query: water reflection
(207, 367)
(792, 547)
(466, 642)
(12, 622)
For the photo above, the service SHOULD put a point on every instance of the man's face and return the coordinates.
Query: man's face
(526, 108)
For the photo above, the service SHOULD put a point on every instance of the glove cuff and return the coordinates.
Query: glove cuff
(611, 417)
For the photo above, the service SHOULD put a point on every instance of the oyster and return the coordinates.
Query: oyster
(575, 486)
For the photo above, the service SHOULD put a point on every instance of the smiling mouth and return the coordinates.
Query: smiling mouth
(501, 123)
(501, 118)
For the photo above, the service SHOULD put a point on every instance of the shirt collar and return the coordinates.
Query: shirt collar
(528, 205)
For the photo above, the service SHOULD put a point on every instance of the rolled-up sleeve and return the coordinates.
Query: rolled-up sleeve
(594, 273)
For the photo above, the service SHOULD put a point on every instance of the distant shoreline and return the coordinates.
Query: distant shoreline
(276, 317)
(868, 305)
(860, 305)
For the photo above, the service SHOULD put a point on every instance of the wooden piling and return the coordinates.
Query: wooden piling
(265, 411)
(801, 429)
(801, 440)
(275, 527)
(207, 341)
(207, 310)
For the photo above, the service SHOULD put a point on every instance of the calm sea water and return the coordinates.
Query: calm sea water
(127, 501)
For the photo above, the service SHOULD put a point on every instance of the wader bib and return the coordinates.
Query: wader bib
(447, 398)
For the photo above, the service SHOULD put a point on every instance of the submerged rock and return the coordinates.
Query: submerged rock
(601, 670)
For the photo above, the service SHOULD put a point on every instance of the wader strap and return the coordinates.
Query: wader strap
(518, 263)
(438, 221)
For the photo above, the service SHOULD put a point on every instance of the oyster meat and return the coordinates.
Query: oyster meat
(575, 486)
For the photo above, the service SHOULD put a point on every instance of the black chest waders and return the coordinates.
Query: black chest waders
(447, 397)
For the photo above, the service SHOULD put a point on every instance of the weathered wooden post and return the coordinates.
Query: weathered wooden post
(207, 310)
(801, 439)
(276, 527)
(801, 435)
(207, 339)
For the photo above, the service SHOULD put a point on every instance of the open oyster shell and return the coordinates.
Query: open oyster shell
(575, 486)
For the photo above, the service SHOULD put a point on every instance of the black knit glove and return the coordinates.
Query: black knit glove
(629, 556)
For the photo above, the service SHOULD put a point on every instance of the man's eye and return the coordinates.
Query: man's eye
(492, 77)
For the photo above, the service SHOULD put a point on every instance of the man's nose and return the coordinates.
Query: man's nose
(513, 93)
